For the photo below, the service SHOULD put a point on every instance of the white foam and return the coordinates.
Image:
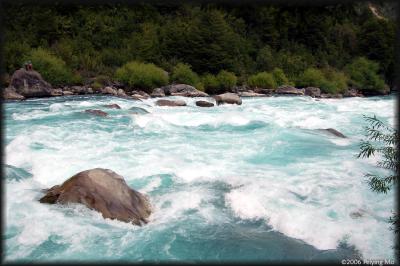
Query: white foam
(305, 198)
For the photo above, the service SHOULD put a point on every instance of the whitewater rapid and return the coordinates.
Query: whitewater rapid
(260, 174)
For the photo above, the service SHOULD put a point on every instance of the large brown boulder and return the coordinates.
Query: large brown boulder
(289, 90)
(10, 94)
(230, 98)
(183, 90)
(164, 102)
(29, 83)
(104, 191)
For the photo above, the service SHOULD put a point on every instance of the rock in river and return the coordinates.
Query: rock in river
(104, 191)
(230, 98)
(164, 102)
(204, 104)
(112, 106)
(96, 112)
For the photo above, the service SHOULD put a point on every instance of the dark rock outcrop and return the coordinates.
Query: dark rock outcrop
(313, 92)
(112, 106)
(371, 92)
(164, 102)
(11, 94)
(96, 112)
(289, 90)
(29, 83)
(204, 104)
(104, 191)
(230, 98)
(351, 92)
(333, 132)
(183, 90)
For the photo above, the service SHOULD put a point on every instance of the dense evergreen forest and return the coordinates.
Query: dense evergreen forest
(93, 44)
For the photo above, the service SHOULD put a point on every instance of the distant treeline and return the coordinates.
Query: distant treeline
(78, 44)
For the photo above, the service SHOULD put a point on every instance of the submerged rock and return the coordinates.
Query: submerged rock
(112, 106)
(96, 112)
(138, 110)
(104, 191)
(333, 132)
(289, 90)
(11, 94)
(164, 102)
(204, 104)
(29, 83)
(230, 98)
(358, 213)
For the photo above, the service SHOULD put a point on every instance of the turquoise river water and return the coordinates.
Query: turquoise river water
(256, 182)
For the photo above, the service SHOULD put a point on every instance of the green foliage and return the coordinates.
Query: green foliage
(262, 80)
(382, 141)
(328, 80)
(141, 75)
(280, 77)
(364, 74)
(52, 68)
(210, 83)
(14, 54)
(336, 81)
(219, 83)
(226, 79)
(95, 40)
(182, 73)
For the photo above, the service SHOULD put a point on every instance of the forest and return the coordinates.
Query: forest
(210, 46)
